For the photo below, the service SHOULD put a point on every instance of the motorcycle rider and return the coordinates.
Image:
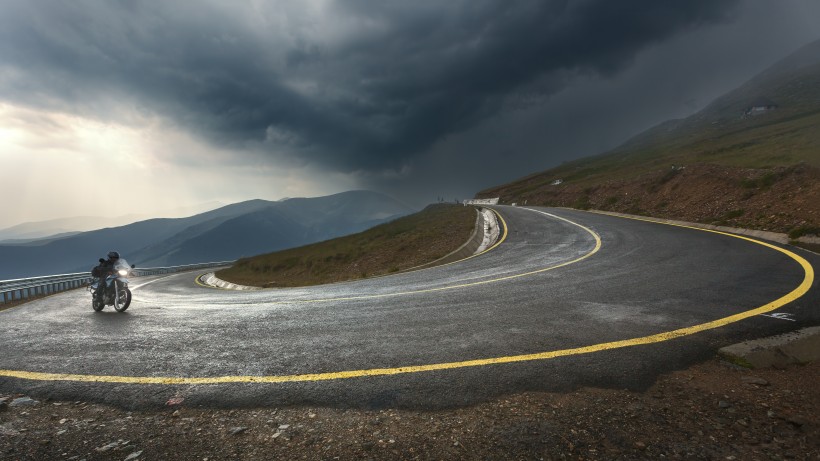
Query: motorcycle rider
(102, 271)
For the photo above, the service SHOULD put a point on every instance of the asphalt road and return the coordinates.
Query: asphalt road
(568, 299)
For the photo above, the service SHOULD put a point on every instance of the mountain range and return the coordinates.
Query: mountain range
(63, 227)
(751, 158)
(226, 233)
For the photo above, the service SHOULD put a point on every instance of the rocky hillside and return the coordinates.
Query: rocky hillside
(779, 199)
(749, 159)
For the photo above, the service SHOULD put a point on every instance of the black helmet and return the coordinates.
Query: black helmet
(113, 255)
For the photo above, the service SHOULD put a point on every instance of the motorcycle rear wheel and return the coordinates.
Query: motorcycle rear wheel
(123, 300)
(96, 304)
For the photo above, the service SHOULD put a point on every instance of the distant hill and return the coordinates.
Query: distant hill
(751, 158)
(61, 227)
(276, 226)
(241, 229)
(401, 244)
(37, 240)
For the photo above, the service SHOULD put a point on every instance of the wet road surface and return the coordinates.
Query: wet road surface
(568, 299)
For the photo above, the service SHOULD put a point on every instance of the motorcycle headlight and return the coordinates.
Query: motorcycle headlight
(123, 272)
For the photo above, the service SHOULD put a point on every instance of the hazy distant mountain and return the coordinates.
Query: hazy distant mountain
(29, 231)
(241, 229)
(276, 226)
(37, 240)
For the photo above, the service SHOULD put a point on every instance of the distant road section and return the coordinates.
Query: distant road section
(568, 299)
(482, 201)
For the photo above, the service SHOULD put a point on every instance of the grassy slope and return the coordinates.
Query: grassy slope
(395, 246)
(783, 144)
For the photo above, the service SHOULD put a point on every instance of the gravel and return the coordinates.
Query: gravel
(681, 416)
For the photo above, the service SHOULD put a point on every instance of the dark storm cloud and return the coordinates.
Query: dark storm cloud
(362, 86)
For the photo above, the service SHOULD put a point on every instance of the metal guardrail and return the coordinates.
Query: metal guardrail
(17, 289)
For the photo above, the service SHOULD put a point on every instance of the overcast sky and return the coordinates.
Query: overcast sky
(111, 108)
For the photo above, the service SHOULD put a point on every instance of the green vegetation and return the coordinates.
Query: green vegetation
(783, 141)
(582, 203)
(389, 248)
(720, 134)
(734, 213)
(800, 231)
(763, 182)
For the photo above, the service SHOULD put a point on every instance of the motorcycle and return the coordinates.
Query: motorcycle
(115, 286)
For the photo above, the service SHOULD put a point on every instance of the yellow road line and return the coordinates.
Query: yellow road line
(594, 250)
(801, 290)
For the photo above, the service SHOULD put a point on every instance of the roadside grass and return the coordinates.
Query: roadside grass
(782, 139)
(769, 162)
(388, 248)
(800, 231)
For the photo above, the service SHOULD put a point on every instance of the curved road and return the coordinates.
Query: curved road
(567, 299)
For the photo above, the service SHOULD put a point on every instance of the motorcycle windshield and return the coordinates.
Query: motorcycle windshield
(121, 264)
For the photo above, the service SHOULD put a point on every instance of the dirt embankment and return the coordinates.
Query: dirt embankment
(783, 199)
(710, 411)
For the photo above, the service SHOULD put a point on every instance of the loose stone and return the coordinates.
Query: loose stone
(754, 380)
(238, 430)
(23, 401)
(133, 456)
(105, 448)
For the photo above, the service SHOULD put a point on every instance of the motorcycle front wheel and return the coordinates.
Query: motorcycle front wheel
(96, 304)
(123, 300)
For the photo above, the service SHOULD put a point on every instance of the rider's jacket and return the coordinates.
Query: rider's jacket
(104, 268)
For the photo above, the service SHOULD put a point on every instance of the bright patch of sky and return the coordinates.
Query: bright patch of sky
(59, 165)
